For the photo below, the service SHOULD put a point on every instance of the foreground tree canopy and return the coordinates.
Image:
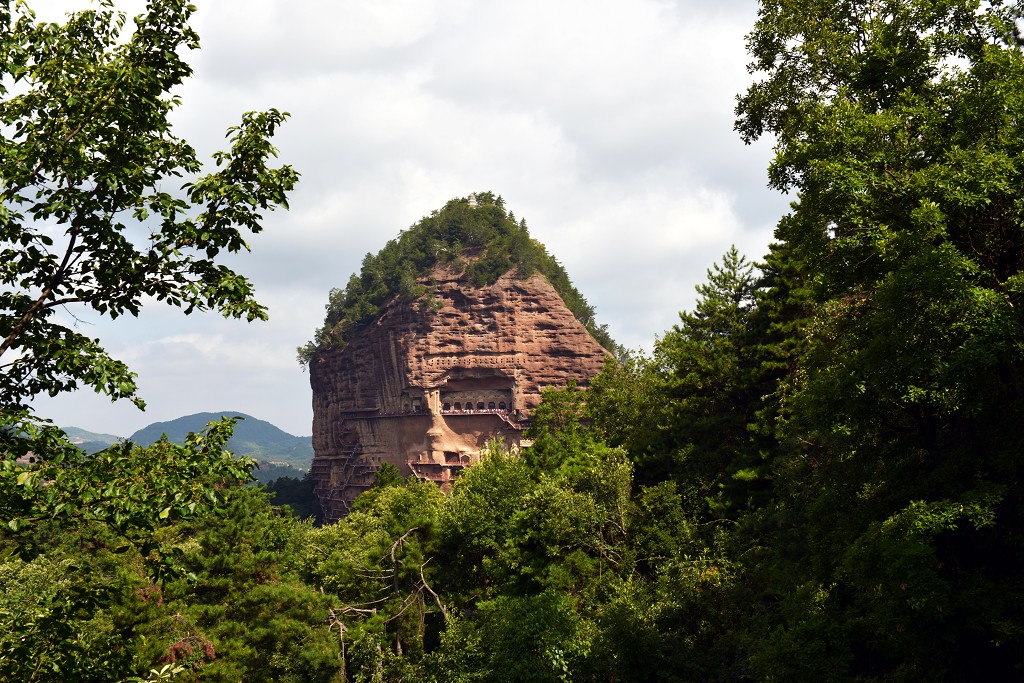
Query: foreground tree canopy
(897, 123)
(101, 207)
(817, 474)
(87, 215)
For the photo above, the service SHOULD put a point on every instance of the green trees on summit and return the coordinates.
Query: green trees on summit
(482, 239)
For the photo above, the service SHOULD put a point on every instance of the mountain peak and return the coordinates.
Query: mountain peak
(449, 351)
(253, 437)
(472, 235)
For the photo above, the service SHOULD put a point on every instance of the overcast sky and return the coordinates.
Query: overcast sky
(606, 124)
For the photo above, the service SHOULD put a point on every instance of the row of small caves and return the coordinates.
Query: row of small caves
(431, 434)
(463, 403)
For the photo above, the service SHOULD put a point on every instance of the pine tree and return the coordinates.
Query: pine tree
(704, 371)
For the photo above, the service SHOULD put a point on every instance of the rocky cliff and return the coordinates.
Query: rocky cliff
(428, 382)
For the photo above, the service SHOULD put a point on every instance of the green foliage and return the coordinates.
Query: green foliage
(539, 637)
(619, 402)
(387, 475)
(376, 564)
(94, 525)
(687, 413)
(521, 540)
(87, 153)
(88, 147)
(245, 613)
(897, 125)
(777, 339)
(483, 241)
(131, 489)
(556, 429)
(58, 612)
(708, 389)
(297, 495)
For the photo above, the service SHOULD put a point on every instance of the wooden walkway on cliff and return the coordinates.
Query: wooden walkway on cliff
(504, 415)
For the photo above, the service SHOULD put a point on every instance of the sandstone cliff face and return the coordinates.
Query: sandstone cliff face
(425, 388)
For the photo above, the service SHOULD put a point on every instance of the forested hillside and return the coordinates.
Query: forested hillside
(252, 438)
(90, 442)
(815, 476)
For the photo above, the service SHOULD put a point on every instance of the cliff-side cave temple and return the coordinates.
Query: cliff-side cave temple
(426, 389)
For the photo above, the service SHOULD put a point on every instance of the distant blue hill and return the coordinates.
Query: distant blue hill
(90, 442)
(253, 437)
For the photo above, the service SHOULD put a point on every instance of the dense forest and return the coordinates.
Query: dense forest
(815, 475)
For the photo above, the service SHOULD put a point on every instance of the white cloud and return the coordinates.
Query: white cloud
(606, 124)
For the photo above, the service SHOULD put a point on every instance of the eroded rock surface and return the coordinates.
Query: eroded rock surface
(425, 388)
